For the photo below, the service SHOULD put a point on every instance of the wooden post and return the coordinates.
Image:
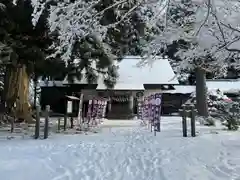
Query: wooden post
(45, 136)
(80, 112)
(193, 124)
(158, 127)
(184, 121)
(160, 123)
(151, 125)
(12, 125)
(71, 121)
(13, 119)
(37, 123)
(84, 112)
(65, 123)
(59, 125)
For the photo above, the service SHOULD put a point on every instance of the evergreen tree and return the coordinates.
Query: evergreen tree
(24, 50)
(97, 36)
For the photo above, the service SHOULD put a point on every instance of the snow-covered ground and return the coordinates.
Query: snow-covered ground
(125, 153)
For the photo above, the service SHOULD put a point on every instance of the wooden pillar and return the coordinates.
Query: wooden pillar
(193, 124)
(131, 102)
(109, 105)
(37, 123)
(46, 125)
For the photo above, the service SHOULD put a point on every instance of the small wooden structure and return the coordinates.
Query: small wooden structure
(46, 124)
(69, 111)
(188, 110)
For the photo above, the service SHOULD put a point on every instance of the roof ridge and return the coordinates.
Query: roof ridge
(222, 80)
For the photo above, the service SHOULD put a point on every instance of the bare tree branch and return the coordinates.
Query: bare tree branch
(230, 27)
(219, 27)
(206, 18)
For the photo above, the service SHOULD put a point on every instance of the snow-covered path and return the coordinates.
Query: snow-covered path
(124, 154)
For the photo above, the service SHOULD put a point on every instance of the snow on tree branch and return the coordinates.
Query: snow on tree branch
(76, 19)
(210, 28)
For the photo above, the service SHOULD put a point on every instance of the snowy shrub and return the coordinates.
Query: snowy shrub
(224, 109)
(215, 100)
(207, 121)
(219, 106)
(200, 119)
(230, 115)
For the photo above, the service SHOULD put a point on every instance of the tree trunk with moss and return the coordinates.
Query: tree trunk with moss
(17, 90)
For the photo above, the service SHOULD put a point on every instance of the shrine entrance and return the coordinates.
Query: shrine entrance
(123, 104)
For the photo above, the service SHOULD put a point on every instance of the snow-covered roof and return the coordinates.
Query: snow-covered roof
(83, 81)
(224, 86)
(182, 89)
(123, 86)
(51, 83)
(132, 76)
(73, 97)
(159, 72)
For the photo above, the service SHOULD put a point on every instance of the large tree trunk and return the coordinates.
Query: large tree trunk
(17, 91)
(201, 92)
